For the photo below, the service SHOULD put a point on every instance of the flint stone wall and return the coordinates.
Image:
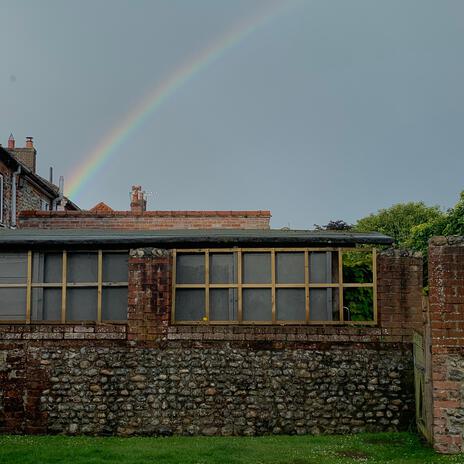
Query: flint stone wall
(223, 390)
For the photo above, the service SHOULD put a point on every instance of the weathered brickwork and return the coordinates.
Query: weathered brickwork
(446, 278)
(149, 298)
(399, 292)
(151, 377)
(148, 220)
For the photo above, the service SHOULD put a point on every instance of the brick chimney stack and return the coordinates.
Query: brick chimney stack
(138, 201)
(26, 155)
(11, 142)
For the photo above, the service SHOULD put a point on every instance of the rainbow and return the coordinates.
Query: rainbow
(108, 145)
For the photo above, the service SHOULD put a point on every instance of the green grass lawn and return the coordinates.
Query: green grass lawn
(363, 448)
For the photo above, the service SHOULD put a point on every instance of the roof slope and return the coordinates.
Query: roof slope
(187, 238)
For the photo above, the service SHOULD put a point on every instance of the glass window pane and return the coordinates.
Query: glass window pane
(323, 267)
(223, 304)
(190, 268)
(12, 304)
(82, 267)
(358, 304)
(257, 268)
(357, 267)
(223, 268)
(291, 304)
(115, 267)
(47, 267)
(46, 304)
(13, 268)
(114, 304)
(81, 304)
(190, 304)
(290, 268)
(257, 304)
(323, 304)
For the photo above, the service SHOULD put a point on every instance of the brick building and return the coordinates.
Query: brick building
(21, 188)
(101, 216)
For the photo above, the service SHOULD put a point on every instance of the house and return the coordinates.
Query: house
(21, 188)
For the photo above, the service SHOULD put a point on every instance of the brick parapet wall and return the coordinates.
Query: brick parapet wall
(61, 333)
(399, 292)
(399, 287)
(446, 302)
(149, 220)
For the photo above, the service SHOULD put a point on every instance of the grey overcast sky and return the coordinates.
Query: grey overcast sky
(331, 110)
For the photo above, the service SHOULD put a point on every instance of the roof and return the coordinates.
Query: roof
(42, 183)
(36, 238)
(101, 208)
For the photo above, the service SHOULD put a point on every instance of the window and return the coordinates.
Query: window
(63, 286)
(274, 286)
(1, 199)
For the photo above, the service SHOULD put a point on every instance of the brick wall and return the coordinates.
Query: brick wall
(151, 377)
(399, 289)
(148, 220)
(399, 292)
(446, 281)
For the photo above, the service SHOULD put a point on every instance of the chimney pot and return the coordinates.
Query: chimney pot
(11, 142)
(29, 142)
(138, 201)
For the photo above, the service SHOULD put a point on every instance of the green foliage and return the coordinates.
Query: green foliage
(338, 224)
(449, 223)
(360, 303)
(399, 220)
(357, 268)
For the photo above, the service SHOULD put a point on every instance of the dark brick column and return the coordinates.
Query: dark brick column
(399, 293)
(446, 281)
(149, 294)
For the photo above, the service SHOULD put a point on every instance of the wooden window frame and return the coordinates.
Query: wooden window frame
(64, 285)
(273, 285)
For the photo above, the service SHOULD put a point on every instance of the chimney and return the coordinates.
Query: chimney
(25, 155)
(138, 201)
(11, 142)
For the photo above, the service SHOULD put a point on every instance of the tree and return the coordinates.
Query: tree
(399, 220)
(339, 224)
(449, 223)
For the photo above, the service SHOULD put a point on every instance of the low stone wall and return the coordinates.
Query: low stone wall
(208, 389)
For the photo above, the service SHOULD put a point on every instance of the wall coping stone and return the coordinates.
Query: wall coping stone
(400, 253)
(454, 240)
